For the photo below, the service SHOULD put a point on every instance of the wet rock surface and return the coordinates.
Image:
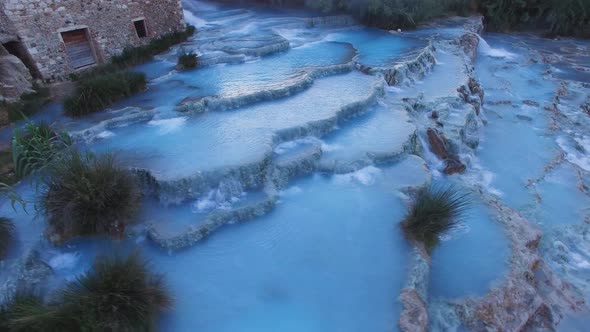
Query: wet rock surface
(15, 78)
(440, 147)
(317, 185)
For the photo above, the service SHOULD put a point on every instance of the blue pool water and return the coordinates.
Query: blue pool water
(280, 117)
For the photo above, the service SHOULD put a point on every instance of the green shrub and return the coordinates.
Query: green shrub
(106, 84)
(6, 235)
(86, 195)
(187, 60)
(96, 92)
(569, 17)
(35, 147)
(118, 294)
(25, 311)
(433, 212)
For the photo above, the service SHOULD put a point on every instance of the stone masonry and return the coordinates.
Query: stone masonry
(38, 25)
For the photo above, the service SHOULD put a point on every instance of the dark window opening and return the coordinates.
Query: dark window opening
(140, 28)
(78, 48)
(17, 49)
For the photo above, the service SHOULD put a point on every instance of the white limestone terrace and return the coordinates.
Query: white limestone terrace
(276, 174)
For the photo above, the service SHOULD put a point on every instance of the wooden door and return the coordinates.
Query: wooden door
(78, 48)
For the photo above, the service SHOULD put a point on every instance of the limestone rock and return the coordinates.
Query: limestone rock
(470, 131)
(15, 78)
(469, 43)
(414, 318)
(440, 147)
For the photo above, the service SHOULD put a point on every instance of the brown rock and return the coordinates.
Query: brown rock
(15, 78)
(440, 147)
(454, 166)
(415, 316)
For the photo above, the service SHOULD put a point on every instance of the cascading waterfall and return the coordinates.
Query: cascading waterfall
(277, 173)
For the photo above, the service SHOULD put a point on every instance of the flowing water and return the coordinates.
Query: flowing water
(284, 165)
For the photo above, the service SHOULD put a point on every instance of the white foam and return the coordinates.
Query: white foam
(65, 261)
(572, 155)
(191, 19)
(286, 146)
(486, 49)
(330, 147)
(105, 134)
(166, 126)
(579, 261)
(295, 190)
(365, 176)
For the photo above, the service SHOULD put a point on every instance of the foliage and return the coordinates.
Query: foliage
(569, 17)
(29, 103)
(187, 60)
(138, 55)
(6, 235)
(563, 17)
(35, 147)
(96, 92)
(433, 212)
(86, 195)
(106, 84)
(118, 294)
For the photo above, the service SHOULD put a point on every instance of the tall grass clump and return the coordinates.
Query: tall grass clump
(26, 311)
(118, 294)
(94, 93)
(6, 235)
(187, 60)
(35, 147)
(87, 195)
(106, 84)
(434, 211)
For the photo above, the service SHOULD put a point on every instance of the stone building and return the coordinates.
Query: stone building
(54, 38)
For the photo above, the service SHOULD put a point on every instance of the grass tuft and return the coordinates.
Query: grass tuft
(434, 211)
(118, 294)
(188, 60)
(6, 235)
(94, 93)
(35, 147)
(104, 85)
(87, 195)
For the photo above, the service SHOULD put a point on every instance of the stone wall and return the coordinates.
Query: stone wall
(38, 23)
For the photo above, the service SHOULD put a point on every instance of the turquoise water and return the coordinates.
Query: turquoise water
(281, 115)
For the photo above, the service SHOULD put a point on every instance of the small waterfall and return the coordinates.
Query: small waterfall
(435, 164)
(486, 49)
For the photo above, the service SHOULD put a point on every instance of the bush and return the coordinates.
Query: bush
(433, 212)
(25, 311)
(95, 93)
(37, 146)
(104, 85)
(87, 195)
(6, 235)
(187, 60)
(562, 17)
(117, 294)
